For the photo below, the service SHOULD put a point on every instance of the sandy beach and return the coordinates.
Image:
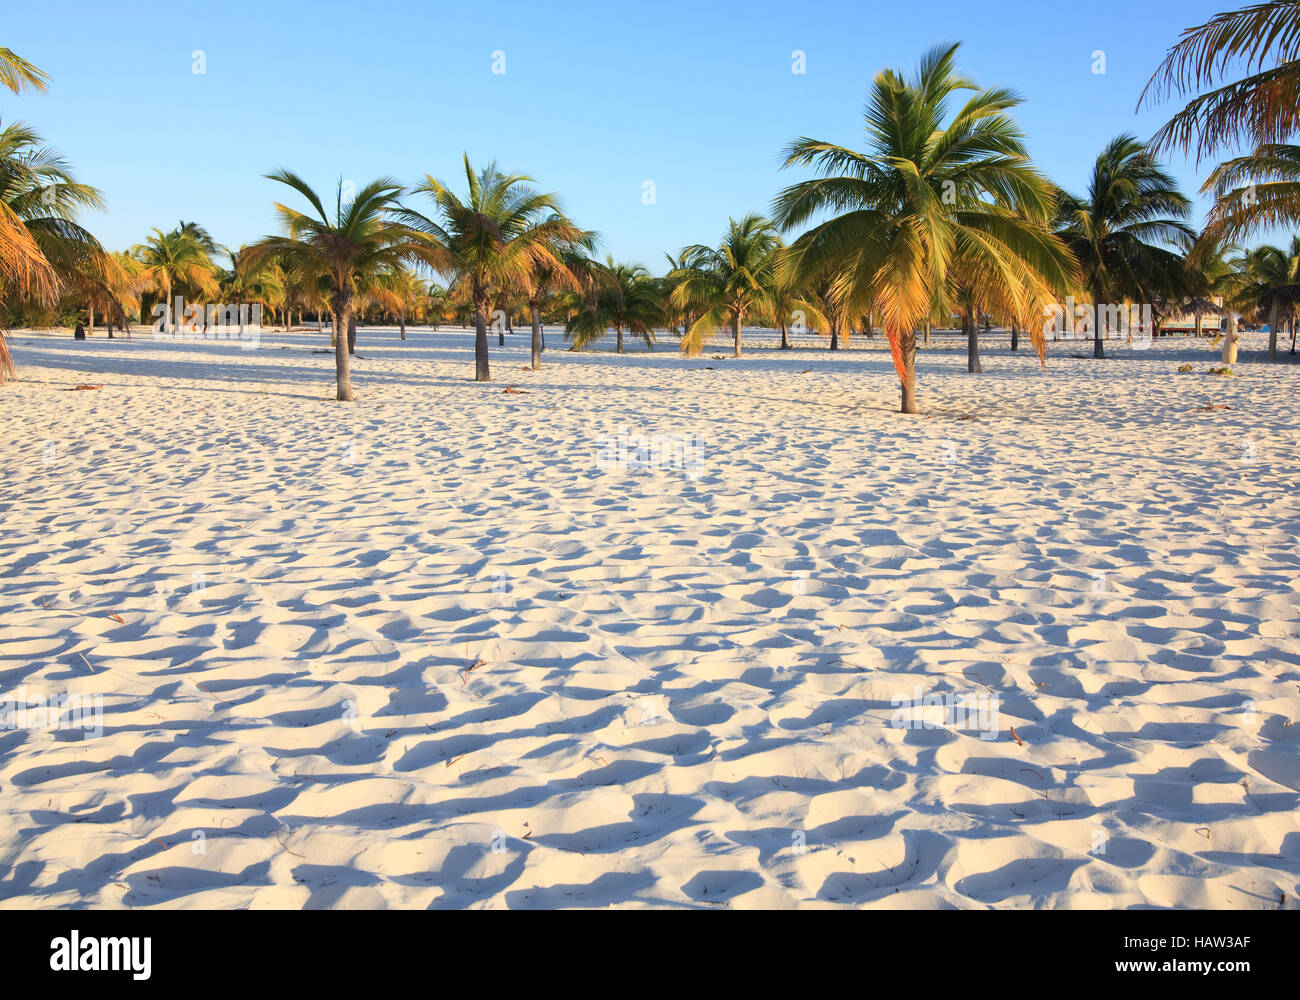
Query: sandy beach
(477, 645)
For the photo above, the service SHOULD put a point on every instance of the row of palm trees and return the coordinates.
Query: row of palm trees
(941, 214)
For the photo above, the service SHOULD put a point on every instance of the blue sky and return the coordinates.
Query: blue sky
(596, 98)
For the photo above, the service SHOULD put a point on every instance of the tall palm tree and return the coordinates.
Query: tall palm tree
(491, 240)
(178, 261)
(727, 284)
(1123, 233)
(571, 270)
(1270, 287)
(43, 249)
(252, 281)
(934, 195)
(626, 298)
(360, 237)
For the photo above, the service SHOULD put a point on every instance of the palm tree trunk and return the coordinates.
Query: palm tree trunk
(1015, 337)
(618, 330)
(835, 334)
(927, 333)
(1199, 331)
(1098, 350)
(1230, 340)
(403, 324)
(735, 329)
(972, 325)
(535, 309)
(1272, 330)
(1292, 334)
(91, 327)
(785, 337)
(481, 373)
(908, 345)
(352, 335)
(342, 366)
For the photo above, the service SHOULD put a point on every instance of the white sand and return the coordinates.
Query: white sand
(687, 689)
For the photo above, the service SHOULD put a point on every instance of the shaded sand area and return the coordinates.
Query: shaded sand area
(446, 648)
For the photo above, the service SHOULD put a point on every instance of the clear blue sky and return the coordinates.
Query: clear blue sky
(598, 97)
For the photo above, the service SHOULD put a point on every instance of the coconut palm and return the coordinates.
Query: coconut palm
(1124, 231)
(570, 270)
(932, 191)
(361, 237)
(625, 298)
(723, 286)
(492, 240)
(251, 281)
(178, 261)
(1270, 287)
(43, 250)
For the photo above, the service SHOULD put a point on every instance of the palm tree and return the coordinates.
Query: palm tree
(43, 250)
(178, 260)
(727, 284)
(1270, 287)
(251, 280)
(361, 237)
(491, 241)
(571, 270)
(1133, 206)
(626, 298)
(933, 197)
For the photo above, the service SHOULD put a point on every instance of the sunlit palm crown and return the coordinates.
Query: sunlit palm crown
(42, 247)
(1124, 230)
(499, 236)
(1263, 107)
(937, 201)
(623, 296)
(1260, 111)
(179, 260)
(733, 281)
(359, 236)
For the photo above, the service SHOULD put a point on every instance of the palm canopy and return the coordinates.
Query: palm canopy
(623, 297)
(358, 235)
(942, 196)
(1125, 230)
(178, 260)
(43, 249)
(16, 73)
(1256, 191)
(724, 285)
(1263, 107)
(492, 239)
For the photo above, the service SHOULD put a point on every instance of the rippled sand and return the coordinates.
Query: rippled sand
(434, 649)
